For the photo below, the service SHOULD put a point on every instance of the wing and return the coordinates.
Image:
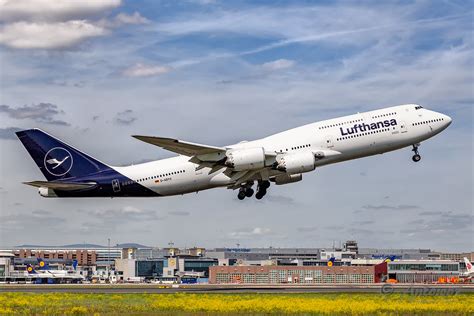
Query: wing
(181, 147)
(62, 186)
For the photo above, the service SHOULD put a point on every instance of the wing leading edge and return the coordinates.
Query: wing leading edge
(181, 147)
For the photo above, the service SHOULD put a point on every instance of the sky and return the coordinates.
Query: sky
(219, 72)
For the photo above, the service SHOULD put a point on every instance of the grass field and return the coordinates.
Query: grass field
(199, 304)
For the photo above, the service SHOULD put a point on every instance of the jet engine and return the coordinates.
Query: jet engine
(246, 159)
(296, 163)
(287, 178)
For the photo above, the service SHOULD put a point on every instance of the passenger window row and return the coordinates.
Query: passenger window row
(426, 122)
(340, 124)
(384, 115)
(297, 147)
(161, 175)
(364, 134)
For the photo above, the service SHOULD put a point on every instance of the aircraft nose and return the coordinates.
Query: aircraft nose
(447, 119)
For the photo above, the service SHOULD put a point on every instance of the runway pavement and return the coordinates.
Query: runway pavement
(415, 289)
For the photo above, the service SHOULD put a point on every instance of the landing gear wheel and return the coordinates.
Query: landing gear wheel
(260, 194)
(264, 185)
(241, 195)
(262, 189)
(416, 158)
(249, 192)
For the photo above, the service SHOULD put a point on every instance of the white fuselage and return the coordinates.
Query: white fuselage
(340, 139)
(57, 274)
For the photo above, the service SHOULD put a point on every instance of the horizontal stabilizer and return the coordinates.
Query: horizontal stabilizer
(179, 146)
(62, 186)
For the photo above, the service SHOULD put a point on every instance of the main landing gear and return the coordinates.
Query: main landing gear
(247, 191)
(262, 189)
(416, 157)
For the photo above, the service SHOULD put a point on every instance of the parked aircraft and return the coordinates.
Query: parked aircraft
(46, 275)
(469, 269)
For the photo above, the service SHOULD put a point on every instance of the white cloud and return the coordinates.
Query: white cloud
(131, 210)
(278, 64)
(52, 10)
(261, 231)
(135, 18)
(48, 35)
(56, 24)
(248, 233)
(141, 70)
(281, 22)
(303, 25)
(128, 212)
(124, 19)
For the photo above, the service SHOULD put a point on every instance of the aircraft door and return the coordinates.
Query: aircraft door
(115, 185)
(197, 179)
(371, 138)
(403, 127)
(328, 141)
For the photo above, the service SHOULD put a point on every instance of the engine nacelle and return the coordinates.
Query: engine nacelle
(246, 159)
(296, 163)
(46, 192)
(287, 178)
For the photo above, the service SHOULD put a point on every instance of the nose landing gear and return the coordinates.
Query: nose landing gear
(416, 157)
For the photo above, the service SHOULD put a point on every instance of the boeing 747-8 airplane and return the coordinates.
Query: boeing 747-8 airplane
(280, 158)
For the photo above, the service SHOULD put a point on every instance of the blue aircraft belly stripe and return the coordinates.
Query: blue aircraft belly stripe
(105, 187)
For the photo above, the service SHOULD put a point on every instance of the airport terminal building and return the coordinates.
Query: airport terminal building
(423, 271)
(296, 274)
(138, 263)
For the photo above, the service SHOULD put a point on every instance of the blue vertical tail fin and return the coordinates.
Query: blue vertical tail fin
(30, 269)
(56, 159)
(42, 264)
(331, 261)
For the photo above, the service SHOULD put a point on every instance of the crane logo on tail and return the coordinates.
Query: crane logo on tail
(58, 161)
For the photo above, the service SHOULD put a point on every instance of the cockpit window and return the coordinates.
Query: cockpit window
(418, 107)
